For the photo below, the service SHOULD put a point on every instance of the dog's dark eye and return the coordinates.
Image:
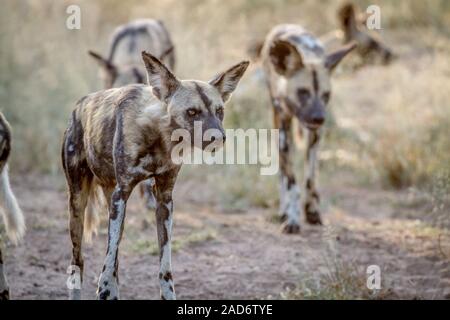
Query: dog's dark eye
(219, 112)
(193, 112)
(303, 94)
(326, 96)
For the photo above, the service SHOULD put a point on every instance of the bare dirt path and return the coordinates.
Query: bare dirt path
(234, 255)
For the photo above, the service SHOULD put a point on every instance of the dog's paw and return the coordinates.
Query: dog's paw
(290, 228)
(313, 217)
(107, 289)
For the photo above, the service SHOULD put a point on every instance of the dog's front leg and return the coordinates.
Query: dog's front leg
(108, 282)
(289, 190)
(164, 217)
(311, 199)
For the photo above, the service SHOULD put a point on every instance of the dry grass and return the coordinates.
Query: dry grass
(340, 280)
(411, 149)
(195, 237)
(389, 127)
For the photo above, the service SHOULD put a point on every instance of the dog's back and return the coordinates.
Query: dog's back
(306, 43)
(129, 40)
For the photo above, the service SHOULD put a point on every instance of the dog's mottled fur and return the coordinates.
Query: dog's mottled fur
(119, 137)
(12, 215)
(123, 64)
(298, 77)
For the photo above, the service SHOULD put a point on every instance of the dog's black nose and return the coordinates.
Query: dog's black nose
(317, 120)
(214, 138)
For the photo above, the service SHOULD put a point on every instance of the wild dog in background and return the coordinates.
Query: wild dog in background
(370, 47)
(124, 63)
(119, 137)
(298, 77)
(12, 215)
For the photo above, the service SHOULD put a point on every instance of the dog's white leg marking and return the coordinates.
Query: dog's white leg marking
(164, 216)
(108, 282)
(311, 200)
(289, 200)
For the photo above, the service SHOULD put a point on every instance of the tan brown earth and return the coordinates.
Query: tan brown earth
(223, 255)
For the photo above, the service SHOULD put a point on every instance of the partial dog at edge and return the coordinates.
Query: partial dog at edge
(12, 215)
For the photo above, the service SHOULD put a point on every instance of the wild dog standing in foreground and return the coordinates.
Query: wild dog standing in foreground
(298, 76)
(12, 215)
(124, 63)
(120, 137)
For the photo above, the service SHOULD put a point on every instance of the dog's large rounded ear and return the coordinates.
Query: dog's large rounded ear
(285, 58)
(163, 82)
(227, 81)
(333, 59)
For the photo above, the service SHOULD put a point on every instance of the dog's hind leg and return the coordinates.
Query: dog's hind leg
(79, 180)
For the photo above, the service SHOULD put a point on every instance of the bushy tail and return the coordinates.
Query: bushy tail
(96, 203)
(12, 215)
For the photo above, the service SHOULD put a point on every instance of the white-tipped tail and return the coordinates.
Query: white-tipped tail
(96, 202)
(12, 215)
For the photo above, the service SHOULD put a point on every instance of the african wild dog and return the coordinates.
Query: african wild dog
(298, 77)
(124, 64)
(12, 215)
(120, 137)
(370, 47)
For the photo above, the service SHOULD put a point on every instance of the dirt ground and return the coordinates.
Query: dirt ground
(223, 255)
